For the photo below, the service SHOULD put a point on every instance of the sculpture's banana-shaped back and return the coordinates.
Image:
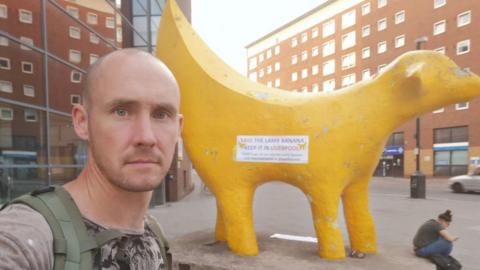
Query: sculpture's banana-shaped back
(345, 131)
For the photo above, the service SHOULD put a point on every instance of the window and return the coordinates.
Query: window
(6, 86)
(328, 28)
(74, 56)
(366, 74)
(461, 106)
(277, 50)
(463, 47)
(93, 58)
(74, 32)
(6, 114)
(329, 67)
(269, 70)
(315, 88)
(304, 55)
(4, 63)
(439, 3)
(28, 90)
(329, 85)
(315, 32)
(261, 73)
(269, 84)
(348, 79)
(73, 11)
(260, 58)
(365, 9)
(348, 19)
(328, 48)
(304, 37)
(381, 47)
(450, 135)
(399, 41)
(294, 59)
(439, 27)
(382, 3)
(381, 68)
(304, 89)
(440, 50)
(277, 82)
(315, 70)
(252, 63)
(400, 17)
(294, 77)
(31, 115)
(27, 67)
(75, 76)
(366, 31)
(348, 40)
(253, 76)
(382, 24)
(3, 41)
(109, 22)
(25, 16)
(94, 38)
(119, 34)
(314, 51)
(277, 66)
(294, 42)
(269, 54)
(27, 41)
(348, 61)
(439, 110)
(365, 52)
(464, 18)
(92, 18)
(74, 99)
(304, 73)
(3, 11)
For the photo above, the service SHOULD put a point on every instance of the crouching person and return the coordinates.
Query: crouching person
(433, 238)
(130, 120)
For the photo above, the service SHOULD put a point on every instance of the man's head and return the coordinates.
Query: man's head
(130, 118)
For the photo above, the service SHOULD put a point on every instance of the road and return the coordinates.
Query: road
(280, 208)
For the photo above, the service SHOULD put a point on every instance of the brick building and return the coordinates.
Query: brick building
(341, 42)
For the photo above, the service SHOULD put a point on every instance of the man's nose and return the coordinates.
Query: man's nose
(144, 132)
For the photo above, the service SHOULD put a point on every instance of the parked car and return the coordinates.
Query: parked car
(466, 183)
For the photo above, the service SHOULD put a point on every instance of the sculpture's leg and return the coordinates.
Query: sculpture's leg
(235, 210)
(325, 212)
(220, 233)
(361, 229)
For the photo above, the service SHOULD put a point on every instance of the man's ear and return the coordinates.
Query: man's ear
(80, 121)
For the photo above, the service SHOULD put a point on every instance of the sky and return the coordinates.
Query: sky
(227, 26)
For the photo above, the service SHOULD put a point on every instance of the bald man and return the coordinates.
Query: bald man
(130, 120)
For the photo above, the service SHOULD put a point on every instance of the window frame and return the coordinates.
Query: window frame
(366, 10)
(469, 13)
(366, 30)
(8, 84)
(24, 86)
(458, 46)
(379, 44)
(5, 8)
(72, 97)
(71, 53)
(436, 5)
(441, 22)
(398, 38)
(26, 63)
(110, 25)
(73, 11)
(461, 108)
(91, 21)
(74, 29)
(380, 24)
(9, 64)
(396, 20)
(72, 75)
(354, 40)
(34, 114)
(2, 109)
(29, 19)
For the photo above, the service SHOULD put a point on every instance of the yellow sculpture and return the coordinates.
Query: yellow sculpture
(241, 134)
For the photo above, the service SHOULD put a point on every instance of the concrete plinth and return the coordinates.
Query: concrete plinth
(199, 251)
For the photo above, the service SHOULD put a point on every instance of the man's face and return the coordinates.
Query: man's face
(133, 126)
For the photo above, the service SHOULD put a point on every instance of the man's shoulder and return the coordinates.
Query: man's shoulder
(25, 236)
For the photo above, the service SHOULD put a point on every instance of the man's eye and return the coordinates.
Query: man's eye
(160, 115)
(121, 112)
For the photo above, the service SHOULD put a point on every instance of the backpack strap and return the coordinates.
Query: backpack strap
(72, 246)
(164, 246)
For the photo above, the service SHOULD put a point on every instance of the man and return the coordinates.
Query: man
(130, 119)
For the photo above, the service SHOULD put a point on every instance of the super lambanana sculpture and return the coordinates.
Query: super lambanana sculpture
(239, 133)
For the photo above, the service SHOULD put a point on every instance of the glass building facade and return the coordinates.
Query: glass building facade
(46, 47)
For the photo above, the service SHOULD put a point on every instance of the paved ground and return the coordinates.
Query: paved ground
(280, 208)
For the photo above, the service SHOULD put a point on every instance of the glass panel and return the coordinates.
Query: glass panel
(458, 170)
(140, 24)
(62, 175)
(63, 82)
(398, 139)
(17, 181)
(460, 134)
(442, 135)
(22, 139)
(442, 158)
(157, 6)
(459, 158)
(29, 31)
(442, 171)
(18, 79)
(139, 7)
(65, 146)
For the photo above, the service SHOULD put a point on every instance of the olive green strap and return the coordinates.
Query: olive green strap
(164, 247)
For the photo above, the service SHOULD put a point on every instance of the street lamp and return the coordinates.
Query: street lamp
(417, 179)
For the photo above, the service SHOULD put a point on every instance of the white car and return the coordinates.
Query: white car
(465, 183)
